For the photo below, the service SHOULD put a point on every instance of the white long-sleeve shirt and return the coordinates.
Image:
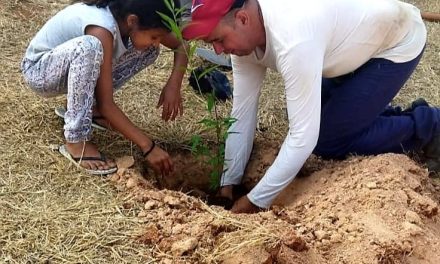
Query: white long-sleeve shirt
(305, 41)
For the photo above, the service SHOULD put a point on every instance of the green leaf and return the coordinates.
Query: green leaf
(206, 71)
(195, 142)
(168, 21)
(210, 102)
(176, 30)
(222, 149)
(192, 49)
(179, 11)
(168, 4)
(214, 180)
(208, 122)
(213, 161)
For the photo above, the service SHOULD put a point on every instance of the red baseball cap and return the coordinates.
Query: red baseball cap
(205, 15)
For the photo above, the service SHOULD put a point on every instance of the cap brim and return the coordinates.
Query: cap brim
(199, 29)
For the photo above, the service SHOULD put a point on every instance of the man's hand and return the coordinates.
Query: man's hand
(243, 205)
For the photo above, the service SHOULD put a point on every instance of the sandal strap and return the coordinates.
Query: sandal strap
(101, 158)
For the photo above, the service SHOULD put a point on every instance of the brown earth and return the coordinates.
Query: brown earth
(381, 209)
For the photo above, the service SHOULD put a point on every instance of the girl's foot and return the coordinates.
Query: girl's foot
(88, 156)
(100, 120)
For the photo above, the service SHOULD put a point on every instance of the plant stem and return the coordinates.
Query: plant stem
(218, 136)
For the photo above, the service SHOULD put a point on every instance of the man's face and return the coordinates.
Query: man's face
(230, 39)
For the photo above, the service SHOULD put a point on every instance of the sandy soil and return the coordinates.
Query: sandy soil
(381, 209)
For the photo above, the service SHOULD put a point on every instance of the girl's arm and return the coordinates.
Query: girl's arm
(170, 98)
(158, 159)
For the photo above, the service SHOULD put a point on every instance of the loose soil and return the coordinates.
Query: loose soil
(381, 209)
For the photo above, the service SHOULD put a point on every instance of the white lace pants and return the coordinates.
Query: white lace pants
(73, 68)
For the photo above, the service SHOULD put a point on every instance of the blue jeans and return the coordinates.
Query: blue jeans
(352, 119)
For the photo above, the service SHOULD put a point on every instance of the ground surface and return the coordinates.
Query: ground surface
(381, 209)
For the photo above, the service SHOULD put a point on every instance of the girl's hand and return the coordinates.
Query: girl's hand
(171, 101)
(160, 161)
(170, 98)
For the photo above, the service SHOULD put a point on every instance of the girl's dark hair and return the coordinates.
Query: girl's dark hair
(145, 10)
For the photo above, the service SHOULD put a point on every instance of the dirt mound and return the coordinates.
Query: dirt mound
(381, 209)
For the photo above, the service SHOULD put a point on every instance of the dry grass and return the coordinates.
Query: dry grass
(247, 234)
(51, 212)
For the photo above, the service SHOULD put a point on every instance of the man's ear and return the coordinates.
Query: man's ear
(132, 21)
(242, 17)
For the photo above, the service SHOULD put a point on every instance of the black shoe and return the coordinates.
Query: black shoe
(432, 149)
(397, 110)
(431, 154)
(418, 102)
(433, 166)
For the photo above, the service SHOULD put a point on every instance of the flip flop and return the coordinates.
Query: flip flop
(61, 111)
(62, 149)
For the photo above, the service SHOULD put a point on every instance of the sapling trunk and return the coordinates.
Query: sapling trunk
(214, 158)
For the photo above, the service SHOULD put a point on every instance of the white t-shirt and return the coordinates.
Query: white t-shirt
(71, 22)
(305, 41)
